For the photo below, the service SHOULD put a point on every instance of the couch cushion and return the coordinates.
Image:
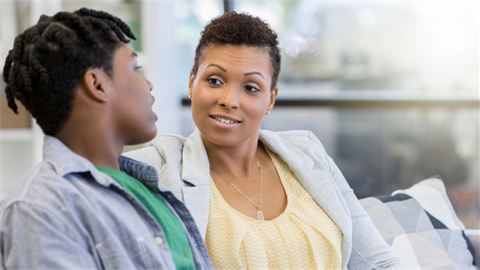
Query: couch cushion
(421, 227)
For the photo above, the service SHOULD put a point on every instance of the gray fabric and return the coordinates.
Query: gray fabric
(406, 227)
(474, 236)
(65, 214)
(185, 170)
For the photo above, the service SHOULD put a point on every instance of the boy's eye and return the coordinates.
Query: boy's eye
(139, 69)
(251, 88)
(214, 81)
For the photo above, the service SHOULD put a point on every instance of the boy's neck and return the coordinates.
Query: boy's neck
(98, 146)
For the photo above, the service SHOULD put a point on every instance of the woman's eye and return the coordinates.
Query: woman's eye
(214, 81)
(251, 88)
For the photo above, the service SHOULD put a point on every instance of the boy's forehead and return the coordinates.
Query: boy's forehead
(128, 46)
(125, 49)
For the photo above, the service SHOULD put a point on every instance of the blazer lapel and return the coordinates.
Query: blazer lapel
(311, 174)
(197, 201)
(196, 172)
(313, 177)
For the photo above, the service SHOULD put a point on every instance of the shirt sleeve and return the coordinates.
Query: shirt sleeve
(31, 237)
(369, 250)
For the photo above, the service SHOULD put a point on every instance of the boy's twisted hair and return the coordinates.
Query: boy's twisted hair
(48, 60)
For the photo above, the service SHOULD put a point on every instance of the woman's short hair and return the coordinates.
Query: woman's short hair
(47, 61)
(240, 29)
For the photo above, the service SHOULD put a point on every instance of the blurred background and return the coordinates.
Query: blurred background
(390, 88)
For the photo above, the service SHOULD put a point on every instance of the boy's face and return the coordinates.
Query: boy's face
(131, 99)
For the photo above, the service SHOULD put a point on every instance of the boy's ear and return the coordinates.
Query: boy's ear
(95, 84)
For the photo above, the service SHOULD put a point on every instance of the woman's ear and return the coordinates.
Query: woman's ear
(273, 97)
(95, 84)
(190, 83)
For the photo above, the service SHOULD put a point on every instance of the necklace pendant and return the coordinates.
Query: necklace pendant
(260, 215)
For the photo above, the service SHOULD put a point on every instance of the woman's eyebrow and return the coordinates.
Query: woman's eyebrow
(254, 72)
(215, 65)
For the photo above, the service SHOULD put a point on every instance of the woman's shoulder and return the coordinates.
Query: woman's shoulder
(164, 146)
(299, 147)
(168, 142)
(298, 138)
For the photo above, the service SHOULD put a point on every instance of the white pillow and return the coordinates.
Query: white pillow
(421, 227)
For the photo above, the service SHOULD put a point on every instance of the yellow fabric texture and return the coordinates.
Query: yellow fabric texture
(303, 237)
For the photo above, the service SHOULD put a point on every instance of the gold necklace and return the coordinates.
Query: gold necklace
(259, 213)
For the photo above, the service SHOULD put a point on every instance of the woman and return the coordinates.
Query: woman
(260, 199)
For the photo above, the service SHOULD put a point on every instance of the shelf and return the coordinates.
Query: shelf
(373, 99)
(12, 135)
(384, 95)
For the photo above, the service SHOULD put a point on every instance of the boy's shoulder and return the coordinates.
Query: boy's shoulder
(22, 188)
(41, 186)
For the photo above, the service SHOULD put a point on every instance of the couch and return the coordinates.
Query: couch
(420, 225)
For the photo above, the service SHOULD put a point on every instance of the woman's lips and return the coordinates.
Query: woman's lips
(224, 123)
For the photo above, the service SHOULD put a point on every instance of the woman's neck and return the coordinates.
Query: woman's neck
(239, 161)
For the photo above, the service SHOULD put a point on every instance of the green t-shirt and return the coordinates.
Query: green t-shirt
(172, 227)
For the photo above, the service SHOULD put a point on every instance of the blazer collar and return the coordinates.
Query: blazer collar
(296, 159)
(313, 176)
(195, 167)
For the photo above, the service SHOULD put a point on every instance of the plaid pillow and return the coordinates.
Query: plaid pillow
(421, 227)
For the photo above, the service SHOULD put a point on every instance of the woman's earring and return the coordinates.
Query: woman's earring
(190, 96)
(268, 112)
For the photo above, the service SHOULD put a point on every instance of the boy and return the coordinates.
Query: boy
(85, 206)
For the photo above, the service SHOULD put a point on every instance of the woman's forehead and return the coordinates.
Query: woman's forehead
(232, 47)
(235, 54)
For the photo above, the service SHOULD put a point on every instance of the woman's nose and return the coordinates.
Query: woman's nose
(229, 98)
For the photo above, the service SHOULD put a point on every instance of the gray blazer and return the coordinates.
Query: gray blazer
(184, 169)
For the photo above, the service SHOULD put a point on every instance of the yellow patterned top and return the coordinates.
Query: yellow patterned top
(303, 237)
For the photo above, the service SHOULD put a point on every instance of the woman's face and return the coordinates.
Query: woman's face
(231, 93)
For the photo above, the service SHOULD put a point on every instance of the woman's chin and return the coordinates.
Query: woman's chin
(221, 140)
